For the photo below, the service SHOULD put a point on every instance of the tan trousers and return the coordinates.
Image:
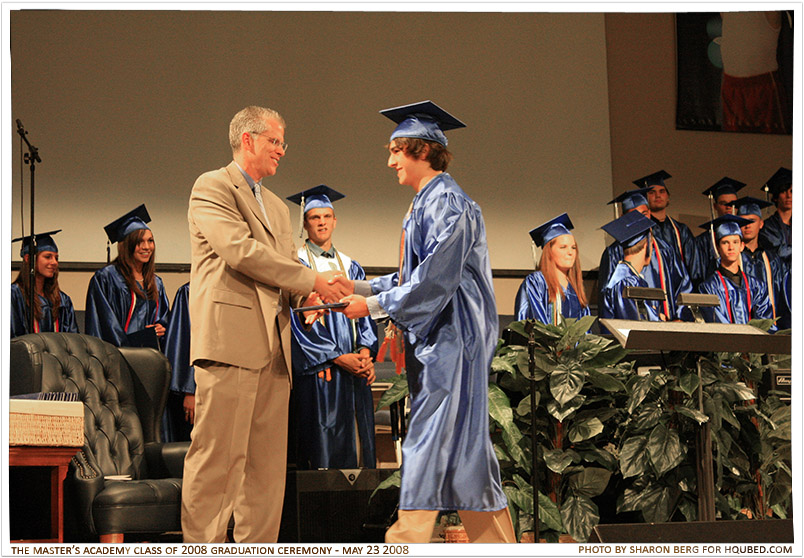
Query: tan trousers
(237, 458)
(416, 526)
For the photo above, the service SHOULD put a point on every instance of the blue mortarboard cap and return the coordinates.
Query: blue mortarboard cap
(727, 225)
(44, 242)
(631, 199)
(132, 221)
(629, 229)
(316, 197)
(651, 180)
(725, 185)
(424, 120)
(781, 180)
(557, 226)
(749, 206)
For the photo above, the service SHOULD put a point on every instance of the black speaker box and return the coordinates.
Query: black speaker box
(332, 505)
(749, 531)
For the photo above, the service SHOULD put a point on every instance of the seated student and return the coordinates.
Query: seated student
(556, 290)
(333, 368)
(674, 233)
(53, 310)
(127, 297)
(742, 298)
(179, 415)
(632, 232)
(777, 234)
(665, 270)
(721, 195)
(763, 265)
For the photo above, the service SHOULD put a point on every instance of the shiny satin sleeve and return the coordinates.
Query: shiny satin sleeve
(384, 283)
(67, 321)
(720, 313)
(19, 316)
(101, 319)
(446, 229)
(608, 261)
(366, 328)
(760, 302)
(531, 299)
(163, 314)
(177, 343)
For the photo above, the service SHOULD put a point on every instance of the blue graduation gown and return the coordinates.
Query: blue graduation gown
(777, 236)
(532, 301)
(685, 251)
(177, 350)
(738, 301)
(614, 305)
(108, 303)
(446, 308)
(784, 303)
(675, 274)
(325, 411)
(707, 259)
(19, 314)
(754, 266)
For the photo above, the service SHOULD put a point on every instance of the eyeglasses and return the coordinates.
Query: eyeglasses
(275, 142)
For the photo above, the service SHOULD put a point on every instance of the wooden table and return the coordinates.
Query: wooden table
(57, 458)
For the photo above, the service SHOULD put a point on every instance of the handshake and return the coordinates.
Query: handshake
(333, 286)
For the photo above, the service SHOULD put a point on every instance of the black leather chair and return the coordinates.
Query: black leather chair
(124, 392)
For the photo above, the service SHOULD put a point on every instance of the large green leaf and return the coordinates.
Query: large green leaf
(688, 383)
(634, 456)
(505, 363)
(611, 354)
(639, 390)
(579, 515)
(562, 412)
(566, 383)
(523, 408)
(549, 513)
(397, 391)
(557, 460)
(647, 416)
(395, 479)
(591, 482)
(583, 430)
(603, 380)
(694, 414)
(602, 457)
(665, 449)
(657, 502)
(501, 412)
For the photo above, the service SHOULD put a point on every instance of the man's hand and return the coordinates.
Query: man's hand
(357, 307)
(332, 286)
(189, 407)
(313, 300)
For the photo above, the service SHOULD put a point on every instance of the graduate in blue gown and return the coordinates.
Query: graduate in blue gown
(763, 265)
(54, 309)
(665, 270)
(179, 414)
(442, 303)
(721, 196)
(127, 298)
(332, 409)
(556, 290)
(785, 303)
(777, 233)
(742, 298)
(632, 232)
(674, 233)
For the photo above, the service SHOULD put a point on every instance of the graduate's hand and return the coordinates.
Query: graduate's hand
(332, 286)
(357, 307)
(160, 329)
(351, 362)
(189, 407)
(313, 300)
(368, 366)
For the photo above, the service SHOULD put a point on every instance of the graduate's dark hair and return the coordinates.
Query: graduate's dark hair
(438, 155)
(547, 265)
(125, 265)
(50, 290)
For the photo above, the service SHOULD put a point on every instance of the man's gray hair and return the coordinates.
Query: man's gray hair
(250, 119)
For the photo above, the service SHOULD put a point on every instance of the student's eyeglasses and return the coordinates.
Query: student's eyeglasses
(275, 142)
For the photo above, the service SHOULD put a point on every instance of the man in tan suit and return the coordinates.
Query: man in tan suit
(244, 278)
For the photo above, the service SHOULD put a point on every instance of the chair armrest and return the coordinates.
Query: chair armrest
(166, 461)
(83, 483)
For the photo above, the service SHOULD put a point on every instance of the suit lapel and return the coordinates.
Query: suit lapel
(245, 191)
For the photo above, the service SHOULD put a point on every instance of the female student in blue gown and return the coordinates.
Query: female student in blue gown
(126, 299)
(54, 309)
(556, 290)
(179, 417)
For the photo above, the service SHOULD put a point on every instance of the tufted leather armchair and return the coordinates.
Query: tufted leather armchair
(124, 392)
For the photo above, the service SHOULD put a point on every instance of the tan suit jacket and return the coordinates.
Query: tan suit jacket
(243, 268)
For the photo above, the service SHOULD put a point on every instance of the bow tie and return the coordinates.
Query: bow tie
(327, 255)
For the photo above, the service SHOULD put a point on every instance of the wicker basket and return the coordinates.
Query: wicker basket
(46, 423)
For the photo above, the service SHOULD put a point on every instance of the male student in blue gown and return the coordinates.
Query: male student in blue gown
(674, 233)
(742, 298)
(632, 232)
(333, 360)
(442, 303)
(180, 409)
(763, 265)
(664, 270)
(721, 196)
(777, 234)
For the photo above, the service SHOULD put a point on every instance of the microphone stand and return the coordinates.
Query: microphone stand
(32, 157)
(534, 445)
